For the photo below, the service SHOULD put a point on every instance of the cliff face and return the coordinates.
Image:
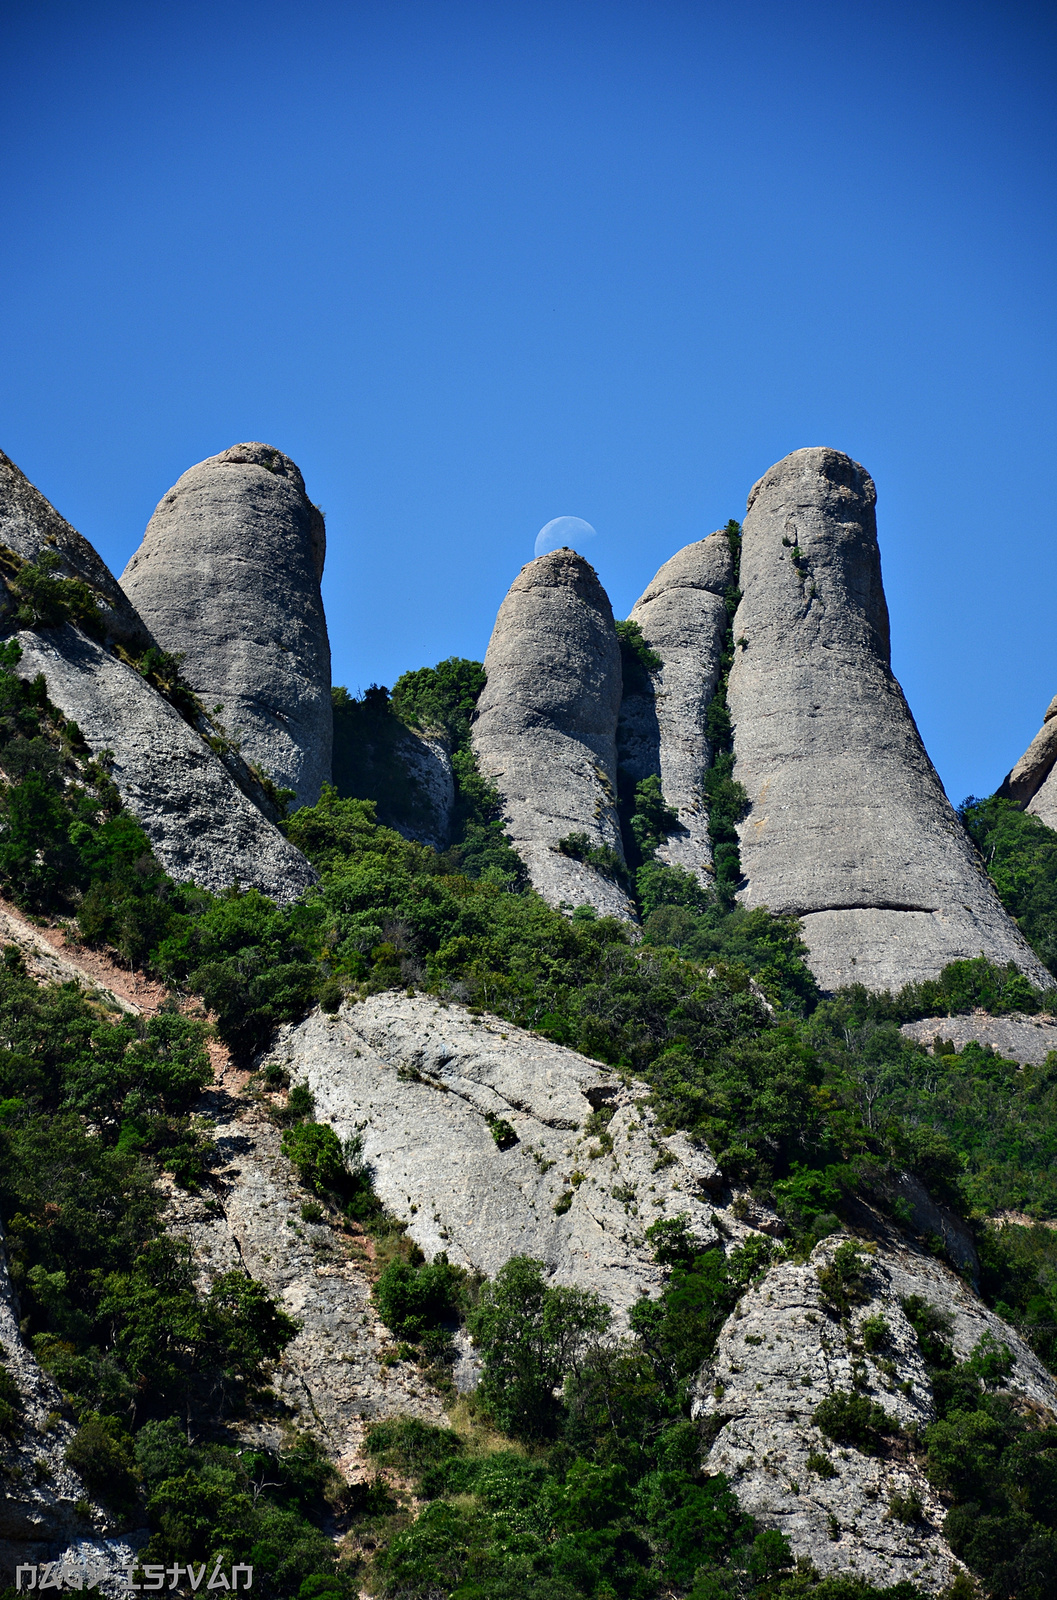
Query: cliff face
(662, 728)
(228, 575)
(201, 825)
(849, 827)
(546, 727)
(1033, 783)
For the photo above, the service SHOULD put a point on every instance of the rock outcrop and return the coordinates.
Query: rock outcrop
(30, 526)
(662, 730)
(545, 731)
(46, 1513)
(406, 771)
(1027, 1039)
(477, 1137)
(783, 1353)
(1033, 781)
(201, 825)
(849, 827)
(228, 576)
(333, 1378)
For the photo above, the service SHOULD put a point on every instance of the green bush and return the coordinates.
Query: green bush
(411, 1299)
(853, 1419)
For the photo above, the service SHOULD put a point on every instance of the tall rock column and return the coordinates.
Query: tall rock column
(662, 730)
(849, 826)
(1033, 781)
(546, 725)
(228, 575)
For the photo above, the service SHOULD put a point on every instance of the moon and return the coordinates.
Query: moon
(571, 531)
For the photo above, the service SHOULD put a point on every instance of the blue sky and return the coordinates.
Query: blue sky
(475, 266)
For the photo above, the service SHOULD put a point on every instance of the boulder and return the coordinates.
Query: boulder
(782, 1353)
(228, 576)
(662, 730)
(478, 1136)
(545, 730)
(202, 827)
(30, 526)
(848, 826)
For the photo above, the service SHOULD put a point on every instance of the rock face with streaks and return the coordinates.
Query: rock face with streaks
(782, 1353)
(1033, 782)
(663, 716)
(331, 1376)
(228, 575)
(478, 1137)
(30, 526)
(546, 726)
(849, 827)
(201, 825)
(1016, 1037)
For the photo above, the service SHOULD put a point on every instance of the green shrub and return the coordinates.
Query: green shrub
(853, 1419)
(411, 1299)
(315, 1150)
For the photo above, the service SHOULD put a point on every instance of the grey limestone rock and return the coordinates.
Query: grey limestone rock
(475, 1134)
(849, 827)
(780, 1355)
(431, 784)
(228, 575)
(30, 525)
(662, 729)
(545, 731)
(201, 825)
(1027, 1039)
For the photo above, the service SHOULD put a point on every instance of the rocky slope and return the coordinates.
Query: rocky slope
(228, 575)
(849, 827)
(546, 727)
(662, 730)
(201, 825)
(783, 1352)
(477, 1136)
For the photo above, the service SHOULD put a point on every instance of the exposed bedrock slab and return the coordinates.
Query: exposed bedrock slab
(849, 827)
(1027, 1039)
(546, 726)
(662, 717)
(30, 525)
(781, 1354)
(201, 825)
(228, 574)
(425, 1084)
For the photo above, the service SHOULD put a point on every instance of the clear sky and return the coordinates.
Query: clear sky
(475, 266)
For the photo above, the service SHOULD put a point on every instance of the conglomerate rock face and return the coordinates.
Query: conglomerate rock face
(30, 526)
(662, 729)
(1033, 781)
(546, 726)
(477, 1135)
(783, 1352)
(228, 575)
(849, 827)
(202, 827)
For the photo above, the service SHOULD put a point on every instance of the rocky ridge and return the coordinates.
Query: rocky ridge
(783, 1352)
(228, 576)
(662, 730)
(546, 725)
(849, 828)
(1032, 784)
